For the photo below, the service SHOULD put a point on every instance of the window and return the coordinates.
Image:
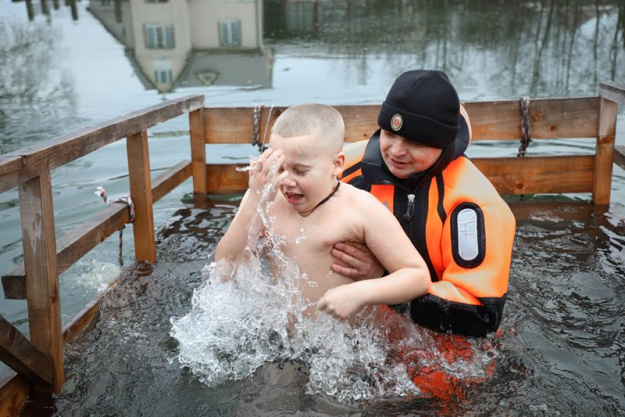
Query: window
(162, 71)
(230, 32)
(159, 36)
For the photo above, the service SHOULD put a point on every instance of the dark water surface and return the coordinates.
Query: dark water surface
(561, 350)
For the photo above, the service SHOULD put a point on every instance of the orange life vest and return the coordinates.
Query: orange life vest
(460, 225)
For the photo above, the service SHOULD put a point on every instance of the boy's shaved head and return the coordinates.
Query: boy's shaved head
(311, 118)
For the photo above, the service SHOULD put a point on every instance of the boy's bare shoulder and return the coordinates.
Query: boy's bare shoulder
(364, 198)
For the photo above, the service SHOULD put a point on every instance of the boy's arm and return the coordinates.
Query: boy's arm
(408, 276)
(398, 287)
(233, 242)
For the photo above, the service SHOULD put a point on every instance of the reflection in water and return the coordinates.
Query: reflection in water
(28, 82)
(187, 44)
(544, 48)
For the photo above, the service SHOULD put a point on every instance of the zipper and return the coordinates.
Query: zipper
(408, 214)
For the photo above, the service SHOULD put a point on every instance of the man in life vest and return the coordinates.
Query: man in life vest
(415, 165)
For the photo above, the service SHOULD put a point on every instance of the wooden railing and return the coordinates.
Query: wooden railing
(39, 361)
(571, 118)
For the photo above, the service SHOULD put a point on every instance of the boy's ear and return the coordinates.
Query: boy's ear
(339, 164)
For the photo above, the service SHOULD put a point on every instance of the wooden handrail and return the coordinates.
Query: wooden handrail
(612, 91)
(491, 120)
(26, 163)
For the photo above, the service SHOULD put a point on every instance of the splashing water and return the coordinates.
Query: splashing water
(247, 316)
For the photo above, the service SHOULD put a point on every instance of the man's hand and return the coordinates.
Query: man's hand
(356, 261)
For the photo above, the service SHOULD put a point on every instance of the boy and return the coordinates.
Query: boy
(314, 211)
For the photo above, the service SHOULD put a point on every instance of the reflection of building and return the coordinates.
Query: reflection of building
(176, 43)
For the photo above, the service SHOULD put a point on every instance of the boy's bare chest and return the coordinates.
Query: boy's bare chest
(314, 235)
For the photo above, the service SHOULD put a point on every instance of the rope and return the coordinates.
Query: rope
(526, 137)
(101, 192)
(256, 131)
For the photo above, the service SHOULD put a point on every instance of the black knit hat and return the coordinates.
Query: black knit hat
(423, 107)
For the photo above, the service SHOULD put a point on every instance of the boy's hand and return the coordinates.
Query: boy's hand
(356, 261)
(342, 302)
(268, 168)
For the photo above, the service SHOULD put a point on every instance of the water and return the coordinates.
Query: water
(560, 351)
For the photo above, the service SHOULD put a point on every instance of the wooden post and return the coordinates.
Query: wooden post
(198, 151)
(605, 152)
(42, 279)
(141, 193)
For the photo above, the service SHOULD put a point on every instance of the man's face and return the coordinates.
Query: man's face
(403, 157)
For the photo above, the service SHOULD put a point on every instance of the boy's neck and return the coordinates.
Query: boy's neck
(325, 200)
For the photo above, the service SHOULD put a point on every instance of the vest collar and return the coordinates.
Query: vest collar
(375, 171)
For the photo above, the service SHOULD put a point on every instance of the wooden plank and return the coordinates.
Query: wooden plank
(14, 392)
(490, 120)
(612, 91)
(619, 156)
(224, 179)
(604, 156)
(14, 284)
(82, 321)
(528, 175)
(42, 280)
(23, 357)
(141, 192)
(549, 118)
(72, 246)
(170, 179)
(9, 168)
(539, 174)
(360, 121)
(198, 150)
(236, 124)
(66, 148)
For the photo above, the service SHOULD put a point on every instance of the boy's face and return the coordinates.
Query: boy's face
(312, 170)
(403, 157)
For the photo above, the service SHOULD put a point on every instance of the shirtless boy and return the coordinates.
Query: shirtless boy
(303, 165)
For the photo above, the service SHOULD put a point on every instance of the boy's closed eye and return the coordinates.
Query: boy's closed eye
(299, 170)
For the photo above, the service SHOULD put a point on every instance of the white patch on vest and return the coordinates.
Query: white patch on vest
(468, 248)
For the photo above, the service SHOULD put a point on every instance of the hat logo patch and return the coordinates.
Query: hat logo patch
(396, 122)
